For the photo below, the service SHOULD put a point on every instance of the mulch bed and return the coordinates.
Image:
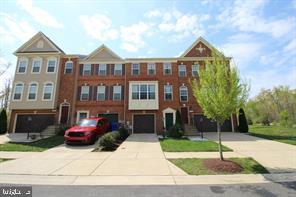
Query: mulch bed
(219, 166)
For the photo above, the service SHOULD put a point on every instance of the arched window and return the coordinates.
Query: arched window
(32, 91)
(18, 91)
(47, 91)
(183, 94)
(68, 67)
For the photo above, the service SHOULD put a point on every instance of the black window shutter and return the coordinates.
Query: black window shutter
(123, 69)
(90, 93)
(122, 92)
(81, 69)
(92, 69)
(112, 69)
(97, 69)
(107, 69)
(95, 88)
(111, 93)
(106, 92)
(78, 93)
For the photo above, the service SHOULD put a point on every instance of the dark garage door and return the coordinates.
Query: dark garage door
(144, 123)
(110, 117)
(206, 125)
(39, 122)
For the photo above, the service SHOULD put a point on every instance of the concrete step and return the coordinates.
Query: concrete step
(49, 131)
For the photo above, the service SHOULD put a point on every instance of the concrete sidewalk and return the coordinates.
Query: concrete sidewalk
(147, 180)
(277, 157)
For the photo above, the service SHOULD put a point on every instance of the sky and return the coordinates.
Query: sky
(260, 35)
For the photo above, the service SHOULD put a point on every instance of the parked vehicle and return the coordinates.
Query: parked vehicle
(87, 131)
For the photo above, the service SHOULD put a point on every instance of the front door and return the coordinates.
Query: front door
(169, 120)
(64, 114)
(184, 114)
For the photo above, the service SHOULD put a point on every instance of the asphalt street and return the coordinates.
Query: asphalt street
(236, 190)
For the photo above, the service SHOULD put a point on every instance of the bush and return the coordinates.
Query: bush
(61, 130)
(3, 121)
(108, 140)
(243, 125)
(175, 131)
(285, 119)
(123, 133)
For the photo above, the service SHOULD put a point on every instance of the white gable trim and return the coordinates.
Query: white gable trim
(99, 49)
(33, 39)
(200, 39)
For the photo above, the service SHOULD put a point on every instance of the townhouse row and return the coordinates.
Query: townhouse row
(54, 88)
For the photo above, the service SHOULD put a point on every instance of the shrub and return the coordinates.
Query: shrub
(61, 130)
(175, 131)
(243, 125)
(108, 140)
(123, 133)
(179, 121)
(3, 121)
(285, 119)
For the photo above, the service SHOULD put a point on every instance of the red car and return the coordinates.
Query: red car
(87, 131)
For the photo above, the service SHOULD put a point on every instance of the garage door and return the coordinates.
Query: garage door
(206, 125)
(110, 117)
(39, 122)
(143, 123)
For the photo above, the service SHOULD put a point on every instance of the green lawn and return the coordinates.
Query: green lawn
(185, 145)
(273, 132)
(38, 146)
(194, 166)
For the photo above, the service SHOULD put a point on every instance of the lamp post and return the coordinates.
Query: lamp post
(29, 121)
(201, 126)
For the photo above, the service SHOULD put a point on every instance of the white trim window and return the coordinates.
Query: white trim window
(182, 71)
(143, 92)
(32, 91)
(167, 68)
(195, 70)
(102, 69)
(51, 65)
(135, 69)
(47, 91)
(82, 115)
(183, 94)
(86, 69)
(116, 93)
(22, 66)
(101, 93)
(18, 91)
(68, 67)
(84, 96)
(135, 92)
(151, 70)
(36, 65)
(168, 92)
(118, 69)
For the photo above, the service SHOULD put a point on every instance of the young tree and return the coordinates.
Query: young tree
(219, 91)
(243, 124)
(3, 121)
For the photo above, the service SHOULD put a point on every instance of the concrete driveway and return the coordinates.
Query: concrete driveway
(275, 156)
(140, 154)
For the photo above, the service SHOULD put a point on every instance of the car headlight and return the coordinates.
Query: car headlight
(67, 132)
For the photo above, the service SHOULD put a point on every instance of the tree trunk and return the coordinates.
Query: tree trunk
(219, 138)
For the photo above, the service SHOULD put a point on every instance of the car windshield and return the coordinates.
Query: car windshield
(87, 123)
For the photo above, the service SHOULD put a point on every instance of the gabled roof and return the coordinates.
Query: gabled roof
(100, 50)
(202, 40)
(33, 40)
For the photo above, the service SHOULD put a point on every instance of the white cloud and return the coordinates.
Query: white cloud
(247, 16)
(291, 46)
(99, 27)
(179, 25)
(12, 30)
(39, 15)
(153, 13)
(132, 36)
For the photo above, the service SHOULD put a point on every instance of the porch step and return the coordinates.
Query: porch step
(49, 131)
(190, 130)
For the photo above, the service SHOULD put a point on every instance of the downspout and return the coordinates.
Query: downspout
(125, 89)
(75, 91)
